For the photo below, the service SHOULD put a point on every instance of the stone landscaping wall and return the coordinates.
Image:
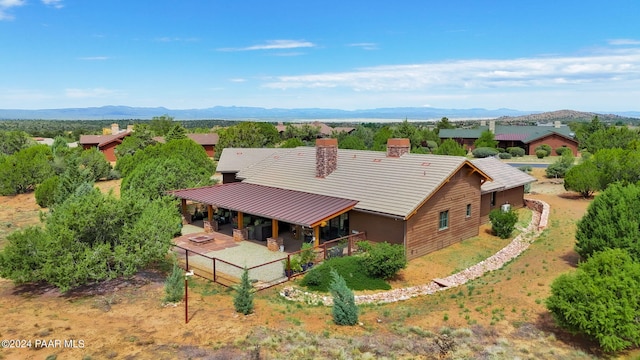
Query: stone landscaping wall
(520, 243)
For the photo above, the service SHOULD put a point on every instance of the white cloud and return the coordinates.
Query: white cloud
(274, 45)
(89, 93)
(624, 42)
(365, 46)
(6, 5)
(53, 3)
(238, 80)
(614, 66)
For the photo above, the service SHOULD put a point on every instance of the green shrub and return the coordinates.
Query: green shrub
(611, 222)
(585, 155)
(174, 285)
(560, 167)
(313, 277)
(547, 149)
(345, 310)
(563, 149)
(382, 260)
(483, 152)
(46, 192)
(583, 178)
(541, 153)
(516, 151)
(504, 155)
(113, 174)
(500, 150)
(503, 222)
(243, 299)
(601, 300)
(319, 277)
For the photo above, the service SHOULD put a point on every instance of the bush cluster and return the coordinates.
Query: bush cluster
(562, 150)
(503, 222)
(541, 153)
(382, 260)
(504, 155)
(601, 300)
(560, 167)
(547, 149)
(483, 152)
(516, 151)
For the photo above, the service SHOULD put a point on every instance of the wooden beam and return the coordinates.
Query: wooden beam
(316, 233)
(274, 228)
(183, 203)
(240, 220)
(209, 213)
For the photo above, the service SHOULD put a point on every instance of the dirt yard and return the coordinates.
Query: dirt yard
(499, 316)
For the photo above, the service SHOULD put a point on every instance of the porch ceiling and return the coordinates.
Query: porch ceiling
(295, 207)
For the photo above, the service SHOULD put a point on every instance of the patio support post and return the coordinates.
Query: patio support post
(316, 234)
(185, 212)
(274, 228)
(209, 213)
(240, 220)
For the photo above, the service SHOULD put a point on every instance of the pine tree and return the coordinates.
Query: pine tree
(345, 311)
(243, 300)
(174, 285)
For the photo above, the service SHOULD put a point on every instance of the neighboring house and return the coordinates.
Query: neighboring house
(325, 130)
(105, 143)
(526, 137)
(207, 141)
(424, 202)
(507, 186)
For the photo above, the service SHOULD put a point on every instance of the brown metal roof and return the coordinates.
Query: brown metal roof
(295, 207)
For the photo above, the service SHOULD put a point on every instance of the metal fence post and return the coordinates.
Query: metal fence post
(214, 269)
(186, 259)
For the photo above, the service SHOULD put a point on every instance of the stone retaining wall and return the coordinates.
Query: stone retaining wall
(516, 247)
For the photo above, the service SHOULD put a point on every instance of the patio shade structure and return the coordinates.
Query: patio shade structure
(294, 207)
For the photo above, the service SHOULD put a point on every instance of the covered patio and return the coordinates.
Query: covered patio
(285, 219)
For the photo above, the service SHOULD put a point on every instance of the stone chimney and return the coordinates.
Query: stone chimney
(129, 128)
(483, 122)
(492, 126)
(398, 147)
(115, 129)
(556, 124)
(326, 156)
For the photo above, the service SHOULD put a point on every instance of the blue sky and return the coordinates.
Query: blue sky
(183, 54)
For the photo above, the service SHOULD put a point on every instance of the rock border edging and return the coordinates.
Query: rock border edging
(539, 221)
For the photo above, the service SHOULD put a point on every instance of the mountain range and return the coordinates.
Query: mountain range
(279, 114)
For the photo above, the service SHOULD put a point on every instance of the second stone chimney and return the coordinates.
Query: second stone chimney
(326, 156)
(556, 124)
(483, 122)
(115, 129)
(492, 126)
(398, 147)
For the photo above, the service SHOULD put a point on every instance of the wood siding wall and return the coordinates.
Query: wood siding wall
(109, 151)
(423, 234)
(378, 228)
(555, 141)
(514, 196)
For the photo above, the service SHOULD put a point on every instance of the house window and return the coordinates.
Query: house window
(468, 210)
(444, 220)
(493, 199)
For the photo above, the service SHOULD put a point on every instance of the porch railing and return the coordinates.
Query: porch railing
(263, 275)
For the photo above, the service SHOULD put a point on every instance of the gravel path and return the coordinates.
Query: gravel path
(516, 247)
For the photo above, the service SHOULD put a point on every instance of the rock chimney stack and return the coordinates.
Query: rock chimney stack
(326, 157)
(398, 147)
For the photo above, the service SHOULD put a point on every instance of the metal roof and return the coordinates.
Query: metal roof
(102, 140)
(525, 134)
(381, 184)
(504, 175)
(295, 207)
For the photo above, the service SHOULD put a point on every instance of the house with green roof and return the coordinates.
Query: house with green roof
(526, 137)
